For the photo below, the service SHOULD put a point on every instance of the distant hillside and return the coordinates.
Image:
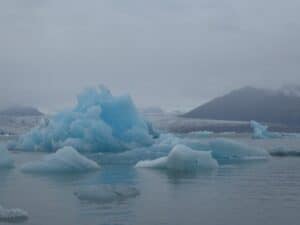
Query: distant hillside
(152, 110)
(251, 103)
(20, 111)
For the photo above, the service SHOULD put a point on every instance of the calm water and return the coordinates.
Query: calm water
(258, 193)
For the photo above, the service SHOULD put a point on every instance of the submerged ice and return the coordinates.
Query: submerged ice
(182, 158)
(12, 215)
(100, 122)
(106, 193)
(66, 160)
(6, 160)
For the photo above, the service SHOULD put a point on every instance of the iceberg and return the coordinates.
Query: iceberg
(66, 160)
(6, 160)
(100, 122)
(160, 163)
(285, 153)
(106, 193)
(161, 147)
(227, 150)
(202, 133)
(261, 131)
(131, 157)
(12, 215)
(182, 158)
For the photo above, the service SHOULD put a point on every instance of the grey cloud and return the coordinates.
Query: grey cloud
(170, 53)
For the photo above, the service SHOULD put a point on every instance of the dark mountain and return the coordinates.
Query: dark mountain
(250, 103)
(20, 111)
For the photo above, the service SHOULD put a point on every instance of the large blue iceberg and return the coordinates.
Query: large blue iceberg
(100, 122)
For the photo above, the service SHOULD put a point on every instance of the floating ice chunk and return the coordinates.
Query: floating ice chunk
(6, 160)
(12, 215)
(226, 149)
(106, 193)
(290, 135)
(182, 158)
(168, 139)
(228, 133)
(285, 153)
(261, 131)
(202, 133)
(162, 147)
(66, 160)
(99, 123)
(133, 156)
(160, 163)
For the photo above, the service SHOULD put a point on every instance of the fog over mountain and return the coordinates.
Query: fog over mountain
(250, 103)
(20, 111)
(291, 90)
(175, 54)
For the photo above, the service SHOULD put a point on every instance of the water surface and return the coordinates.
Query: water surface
(260, 193)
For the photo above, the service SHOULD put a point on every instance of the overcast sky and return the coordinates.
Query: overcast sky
(168, 53)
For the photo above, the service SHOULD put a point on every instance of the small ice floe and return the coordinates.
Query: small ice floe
(6, 160)
(65, 160)
(12, 215)
(285, 152)
(182, 158)
(106, 193)
(225, 150)
(202, 133)
(261, 131)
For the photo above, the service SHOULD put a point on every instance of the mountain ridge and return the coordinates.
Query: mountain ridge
(249, 103)
(20, 111)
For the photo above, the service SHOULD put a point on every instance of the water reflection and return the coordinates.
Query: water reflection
(114, 175)
(233, 194)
